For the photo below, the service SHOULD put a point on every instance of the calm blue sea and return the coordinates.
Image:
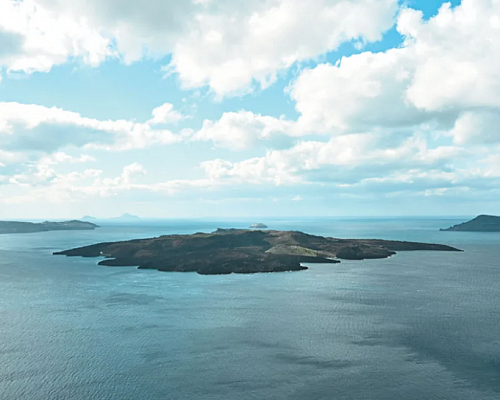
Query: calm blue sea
(420, 325)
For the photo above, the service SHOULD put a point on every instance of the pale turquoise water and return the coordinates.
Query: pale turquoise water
(421, 325)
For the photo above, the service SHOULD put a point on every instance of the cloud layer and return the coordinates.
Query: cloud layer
(417, 120)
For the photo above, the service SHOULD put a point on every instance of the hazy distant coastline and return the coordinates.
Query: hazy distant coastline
(32, 227)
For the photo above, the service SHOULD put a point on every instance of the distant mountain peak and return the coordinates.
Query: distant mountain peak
(128, 217)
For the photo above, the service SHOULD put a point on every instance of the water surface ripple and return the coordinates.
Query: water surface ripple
(420, 325)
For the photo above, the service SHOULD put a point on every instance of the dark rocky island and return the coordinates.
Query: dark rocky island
(31, 227)
(228, 251)
(482, 223)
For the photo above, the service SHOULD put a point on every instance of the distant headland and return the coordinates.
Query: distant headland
(482, 223)
(31, 227)
(228, 251)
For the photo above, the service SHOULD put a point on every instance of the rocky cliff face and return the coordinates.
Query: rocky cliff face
(241, 251)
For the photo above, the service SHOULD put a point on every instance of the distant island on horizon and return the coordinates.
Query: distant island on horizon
(241, 251)
(482, 223)
(124, 217)
(32, 227)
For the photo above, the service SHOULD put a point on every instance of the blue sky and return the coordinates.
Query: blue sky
(234, 108)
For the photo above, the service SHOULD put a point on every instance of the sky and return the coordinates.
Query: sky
(220, 108)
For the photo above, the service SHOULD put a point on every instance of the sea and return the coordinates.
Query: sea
(419, 325)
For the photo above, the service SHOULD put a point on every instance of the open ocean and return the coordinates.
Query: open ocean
(420, 325)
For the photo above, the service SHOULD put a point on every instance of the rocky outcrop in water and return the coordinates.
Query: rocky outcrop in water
(241, 251)
(258, 226)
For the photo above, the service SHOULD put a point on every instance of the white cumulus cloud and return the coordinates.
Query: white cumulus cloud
(445, 74)
(35, 38)
(165, 114)
(229, 51)
(225, 45)
(35, 127)
(243, 129)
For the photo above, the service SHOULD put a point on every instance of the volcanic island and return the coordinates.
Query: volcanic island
(241, 251)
